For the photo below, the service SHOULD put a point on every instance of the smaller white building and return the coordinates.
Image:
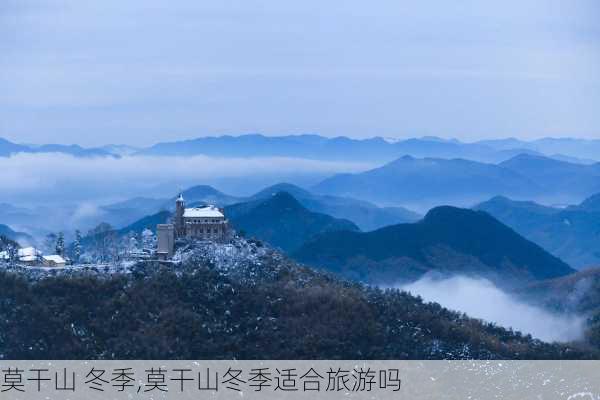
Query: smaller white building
(29, 255)
(54, 260)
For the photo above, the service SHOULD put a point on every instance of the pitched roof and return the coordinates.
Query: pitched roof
(203, 212)
(28, 252)
(55, 258)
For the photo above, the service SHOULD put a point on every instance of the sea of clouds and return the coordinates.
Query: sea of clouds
(59, 177)
(480, 298)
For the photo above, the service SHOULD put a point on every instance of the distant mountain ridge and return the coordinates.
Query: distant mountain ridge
(306, 146)
(557, 177)
(8, 148)
(324, 148)
(313, 146)
(572, 233)
(279, 219)
(430, 181)
(591, 204)
(572, 147)
(374, 149)
(149, 222)
(282, 221)
(19, 237)
(203, 194)
(364, 214)
(448, 240)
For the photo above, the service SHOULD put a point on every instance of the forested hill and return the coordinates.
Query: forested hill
(245, 303)
(448, 240)
(282, 221)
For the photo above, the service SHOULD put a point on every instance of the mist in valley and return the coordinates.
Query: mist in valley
(480, 298)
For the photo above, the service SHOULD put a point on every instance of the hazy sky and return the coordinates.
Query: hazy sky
(139, 72)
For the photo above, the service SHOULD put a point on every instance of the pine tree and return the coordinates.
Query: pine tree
(77, 246)
(60, 244)
(148, 239)
(13, 252)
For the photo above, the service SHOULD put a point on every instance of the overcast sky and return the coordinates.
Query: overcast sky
(138, 72)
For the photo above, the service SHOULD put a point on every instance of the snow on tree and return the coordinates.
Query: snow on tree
(60, 244)
(148, 239)
(13, 252)
(10, 247)
(77, 246)
(131, 243)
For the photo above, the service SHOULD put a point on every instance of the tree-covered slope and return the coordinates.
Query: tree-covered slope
(257, 306)
(448, 240)
(282, 221)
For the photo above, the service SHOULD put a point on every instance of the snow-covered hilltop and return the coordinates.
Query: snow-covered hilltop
(235, 256)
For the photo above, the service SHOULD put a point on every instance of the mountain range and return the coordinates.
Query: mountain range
(425, 182)
(279, 219)
(582, 150)
(312, 146)
(557, 178)
(365, 215)
(429, 182)
(315, 147)
(571, 233)
(203, 194)
(447, 241)
(8, 148)
(39, 221)
(374, 149)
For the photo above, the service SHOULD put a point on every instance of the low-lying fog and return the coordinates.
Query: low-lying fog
(29, 178)
(480, 298)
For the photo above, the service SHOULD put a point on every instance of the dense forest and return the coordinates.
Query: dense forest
(268, 308)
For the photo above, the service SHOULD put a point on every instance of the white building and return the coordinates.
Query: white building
(54, 260)
(29, 255)
(204, 223)
(207, 223)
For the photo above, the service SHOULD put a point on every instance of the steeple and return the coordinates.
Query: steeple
(179, 210)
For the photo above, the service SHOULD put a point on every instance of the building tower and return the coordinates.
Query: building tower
(166, 241)
(179, 210)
